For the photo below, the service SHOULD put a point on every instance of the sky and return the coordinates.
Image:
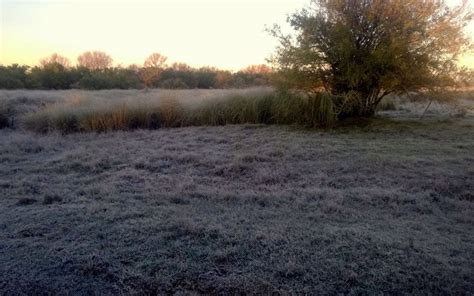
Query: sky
(228, 34)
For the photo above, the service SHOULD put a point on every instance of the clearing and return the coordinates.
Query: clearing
(386, 207)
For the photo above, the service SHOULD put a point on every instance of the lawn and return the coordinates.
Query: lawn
(384, 207)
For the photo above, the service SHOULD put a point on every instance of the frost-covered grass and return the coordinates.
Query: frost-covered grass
(381, 208)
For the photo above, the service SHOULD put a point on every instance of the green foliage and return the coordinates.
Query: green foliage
(13, 77)
(173, 83)
(52, 76)
(117, 78)
(205, 78)
(362, 50)
(243, 79)
(39, 122)
(310, 110)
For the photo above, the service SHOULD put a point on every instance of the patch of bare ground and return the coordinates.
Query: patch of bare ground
(386, 207)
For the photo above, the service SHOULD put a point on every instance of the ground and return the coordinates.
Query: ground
(382, 208)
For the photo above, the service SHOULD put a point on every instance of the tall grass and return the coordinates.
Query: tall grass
(6, 115)
(265, 107)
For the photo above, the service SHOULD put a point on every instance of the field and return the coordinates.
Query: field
(382, 207)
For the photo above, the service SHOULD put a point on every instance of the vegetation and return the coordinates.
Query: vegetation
(14, 77)
(258, 107)
(363, 50)
(71, 111)
(94, 60)
(94, 71)
(385, 208)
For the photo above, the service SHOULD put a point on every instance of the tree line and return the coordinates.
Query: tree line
(95, 70)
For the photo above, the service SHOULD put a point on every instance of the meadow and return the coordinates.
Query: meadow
(210, 199)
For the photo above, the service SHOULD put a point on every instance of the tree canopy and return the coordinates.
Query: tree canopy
(362, 50)
(94, 60)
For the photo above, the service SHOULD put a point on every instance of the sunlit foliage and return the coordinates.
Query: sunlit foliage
(365, 49)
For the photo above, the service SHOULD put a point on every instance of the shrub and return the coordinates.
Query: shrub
(66, 123)
(13, 77)
(38, 122)
(173, 83)
(52, 76)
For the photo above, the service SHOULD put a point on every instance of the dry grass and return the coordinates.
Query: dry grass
(80, 111)
(384, 208)
(258, 106)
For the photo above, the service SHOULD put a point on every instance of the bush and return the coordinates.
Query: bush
(114, 78)
(173, 83)
(38, 122)
(52, 76)
(13, 77)
(56, 74)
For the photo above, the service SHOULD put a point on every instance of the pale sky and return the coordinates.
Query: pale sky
(228, 34)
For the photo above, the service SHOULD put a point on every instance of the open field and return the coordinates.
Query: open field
(385, 207)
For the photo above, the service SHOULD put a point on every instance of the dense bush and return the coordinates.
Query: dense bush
(54, 75)
(244, 79)
(176, 79)
(118, 78)
(13, 77)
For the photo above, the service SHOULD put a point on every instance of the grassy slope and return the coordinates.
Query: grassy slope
(387, 208)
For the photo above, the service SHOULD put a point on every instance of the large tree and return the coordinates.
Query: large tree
(362, 50)
(95, 60)
(55, 59)
(152, 69)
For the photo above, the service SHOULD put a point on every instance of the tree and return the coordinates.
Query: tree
(179, 75)
(257, 69)
(110, 78)
(152, 68)
(95, 60)
(52, 76)
(362, 50)
(155, 60)
(13, 77)
(206, 77)
(181, 67)
(56, 59)
(223, 79)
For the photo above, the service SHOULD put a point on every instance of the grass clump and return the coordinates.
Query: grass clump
(311, 110)
(3, 118)
(6, 115)
(254, 108)
(387, 104)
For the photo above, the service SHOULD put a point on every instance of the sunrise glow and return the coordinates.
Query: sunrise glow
(229, 34)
